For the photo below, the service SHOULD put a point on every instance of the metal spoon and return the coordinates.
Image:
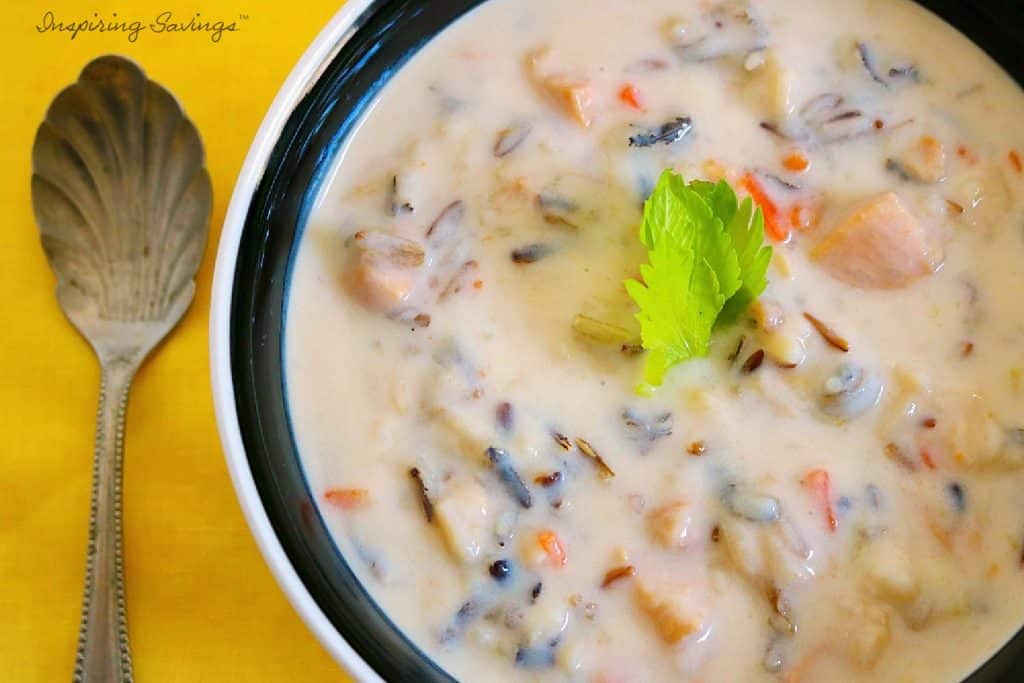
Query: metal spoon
(122, 201)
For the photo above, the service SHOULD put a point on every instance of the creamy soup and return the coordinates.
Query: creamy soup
(832, 493)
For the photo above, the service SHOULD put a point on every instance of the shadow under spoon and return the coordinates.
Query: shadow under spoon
(122, 200)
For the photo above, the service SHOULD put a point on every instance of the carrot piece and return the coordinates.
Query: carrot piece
(347, 499)
(967, 154)
(941, 535)
(797, 217)
(803, 216)
(772, 225)
(796, 161)
(926, 458)
(632, 97)
(553, 546)
(1015, 161)
(819, 483)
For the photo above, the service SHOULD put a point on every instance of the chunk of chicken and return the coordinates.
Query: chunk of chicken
(769, 555)
(921, 590)
(782, 338)
(944, 593)
(384, 270)
(462, 516)
(880, 245)
(726, 29)
(742, 544)
(887, 567)
(865, 630)
(670, 525)
(977, 440)
(925, 160)
(546, 620)
(572, 95)
(982, 197)
(772, 87)
(674, 610)
(469, 433)
(380, 287)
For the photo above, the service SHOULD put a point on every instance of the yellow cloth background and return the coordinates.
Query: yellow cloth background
(201, 604)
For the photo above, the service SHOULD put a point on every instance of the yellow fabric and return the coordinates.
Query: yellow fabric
(202, 606)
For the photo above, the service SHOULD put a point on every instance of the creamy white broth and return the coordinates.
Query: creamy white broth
(907, 587)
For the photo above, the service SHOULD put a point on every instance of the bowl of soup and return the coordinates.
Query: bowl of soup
(654, 341)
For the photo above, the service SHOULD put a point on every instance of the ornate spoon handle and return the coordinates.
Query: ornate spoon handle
(103, 654)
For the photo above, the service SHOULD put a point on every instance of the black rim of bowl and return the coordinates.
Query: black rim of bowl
(379, 41)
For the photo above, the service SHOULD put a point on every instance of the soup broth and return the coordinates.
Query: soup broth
(831, 494)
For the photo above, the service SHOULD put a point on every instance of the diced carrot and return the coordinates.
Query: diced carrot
(804, 216)
(941, 535)
(796, 217)
(1015, 161)
(796, 161)
(632, 97)
(347, 499)
(966, 153)
(819, 483)
(772, 225)
(926, 458)
(553, 546)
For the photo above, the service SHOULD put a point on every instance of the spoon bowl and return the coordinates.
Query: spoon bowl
(122, 200)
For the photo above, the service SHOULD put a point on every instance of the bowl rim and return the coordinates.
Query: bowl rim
(300, 80)
(302, 76)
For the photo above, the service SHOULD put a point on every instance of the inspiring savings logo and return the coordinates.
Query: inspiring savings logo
(164, 23)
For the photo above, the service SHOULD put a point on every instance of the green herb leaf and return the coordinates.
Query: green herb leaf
(746, 230)
(673, 327)
(719, 196)
(704, 255)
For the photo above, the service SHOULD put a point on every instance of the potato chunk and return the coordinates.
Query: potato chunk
(674, 610)
(463, 519)
(880, 245)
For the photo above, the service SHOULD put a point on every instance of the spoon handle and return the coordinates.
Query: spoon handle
(103, 654)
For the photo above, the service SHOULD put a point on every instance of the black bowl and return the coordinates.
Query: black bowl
(366, 48)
